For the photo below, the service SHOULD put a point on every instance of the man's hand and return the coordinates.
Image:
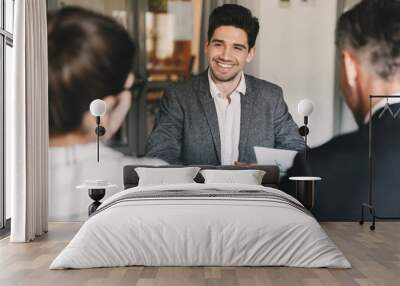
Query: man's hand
(245, 164)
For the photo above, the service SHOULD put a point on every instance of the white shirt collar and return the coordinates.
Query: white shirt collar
(380, 104)
(241, 88)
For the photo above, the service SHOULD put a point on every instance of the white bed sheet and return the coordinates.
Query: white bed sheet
(200, 231)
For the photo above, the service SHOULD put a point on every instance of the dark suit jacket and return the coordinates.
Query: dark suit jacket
(186, 129)
(343, 165)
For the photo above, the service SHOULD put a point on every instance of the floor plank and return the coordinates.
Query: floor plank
(374, 255)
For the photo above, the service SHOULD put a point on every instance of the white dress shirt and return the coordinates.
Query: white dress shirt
(381, 103)
(228, 112)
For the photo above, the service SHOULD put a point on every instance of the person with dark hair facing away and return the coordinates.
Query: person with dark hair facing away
(218, 116)
(90, 57)
(368, 38)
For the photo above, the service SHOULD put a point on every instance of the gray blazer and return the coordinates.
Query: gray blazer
(186, 129)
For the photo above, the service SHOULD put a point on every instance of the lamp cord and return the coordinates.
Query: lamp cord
(305, 150)
(305, 136)
(98, 137)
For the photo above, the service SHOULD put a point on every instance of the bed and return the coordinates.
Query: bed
(201, 224)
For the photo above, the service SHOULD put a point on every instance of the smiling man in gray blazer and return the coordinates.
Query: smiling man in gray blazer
(218, 116)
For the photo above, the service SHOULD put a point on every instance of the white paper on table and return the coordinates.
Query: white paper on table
(269, 156)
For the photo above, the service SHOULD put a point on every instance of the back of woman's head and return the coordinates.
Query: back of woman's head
(90, 56)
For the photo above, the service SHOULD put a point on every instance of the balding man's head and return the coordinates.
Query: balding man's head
(368, 36)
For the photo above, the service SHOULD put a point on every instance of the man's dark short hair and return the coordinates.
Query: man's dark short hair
(90, 56)
(237, 16)
(373, 26)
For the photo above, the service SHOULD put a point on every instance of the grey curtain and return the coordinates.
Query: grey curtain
(208, 6)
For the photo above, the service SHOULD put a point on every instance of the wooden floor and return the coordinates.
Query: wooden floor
(374, 255)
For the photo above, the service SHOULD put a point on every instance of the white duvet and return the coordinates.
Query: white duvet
(200, 231)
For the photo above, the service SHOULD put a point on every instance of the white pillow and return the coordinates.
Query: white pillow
(248, 177)
(163, 176)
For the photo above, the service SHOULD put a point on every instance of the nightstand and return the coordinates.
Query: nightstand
(305, 188)
(96, 190)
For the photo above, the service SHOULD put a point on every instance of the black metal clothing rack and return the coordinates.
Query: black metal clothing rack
(370, 206)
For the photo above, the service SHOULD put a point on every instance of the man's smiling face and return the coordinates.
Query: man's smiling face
(228, 53)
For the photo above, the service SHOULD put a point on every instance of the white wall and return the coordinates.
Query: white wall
(295, 49)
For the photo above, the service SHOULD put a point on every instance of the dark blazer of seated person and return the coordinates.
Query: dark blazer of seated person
(343, 165)
(368, 42)
(187, 132)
